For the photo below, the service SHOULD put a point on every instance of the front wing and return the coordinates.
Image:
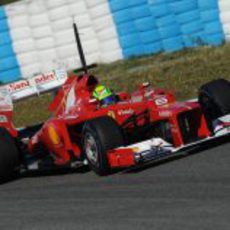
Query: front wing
(156, 149)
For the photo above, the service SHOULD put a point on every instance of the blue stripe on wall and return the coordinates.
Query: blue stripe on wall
(151, 26)
(9, 68)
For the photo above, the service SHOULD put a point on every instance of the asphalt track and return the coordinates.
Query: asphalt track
(187, 193)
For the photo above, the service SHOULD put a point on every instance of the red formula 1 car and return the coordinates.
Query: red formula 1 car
(144, 126)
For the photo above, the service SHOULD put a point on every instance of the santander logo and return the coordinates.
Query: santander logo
(42, 79)
(18, 86)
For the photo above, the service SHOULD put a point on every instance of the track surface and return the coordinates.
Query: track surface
(187, 193)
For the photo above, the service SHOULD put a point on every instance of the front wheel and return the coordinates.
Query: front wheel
(99, 136)
(214, 99)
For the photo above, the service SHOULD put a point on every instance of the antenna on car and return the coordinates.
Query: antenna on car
(80, 49)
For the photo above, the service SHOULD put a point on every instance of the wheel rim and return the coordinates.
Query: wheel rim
(91, 149)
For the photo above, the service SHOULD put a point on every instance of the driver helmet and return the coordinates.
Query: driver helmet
(104, 95)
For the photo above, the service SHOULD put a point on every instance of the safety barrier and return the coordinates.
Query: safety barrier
(37, 36)
(9, 68)
(166, 25)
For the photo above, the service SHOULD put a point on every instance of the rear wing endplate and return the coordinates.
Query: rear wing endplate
(36, 85)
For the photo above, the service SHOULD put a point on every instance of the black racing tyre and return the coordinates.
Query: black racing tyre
(9, 155)
(214, 98)
(100, 135)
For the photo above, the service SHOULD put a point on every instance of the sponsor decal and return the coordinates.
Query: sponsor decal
(45, 78)
(161, 101)
(19, 86)
(125, 112)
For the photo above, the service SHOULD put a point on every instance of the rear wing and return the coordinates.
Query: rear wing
(36, 85)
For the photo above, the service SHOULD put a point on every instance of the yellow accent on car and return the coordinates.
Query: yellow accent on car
(53, 135)
(111, 114)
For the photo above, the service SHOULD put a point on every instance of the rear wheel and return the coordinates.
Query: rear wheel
(214, 98)
(99, 136)
(9, 155)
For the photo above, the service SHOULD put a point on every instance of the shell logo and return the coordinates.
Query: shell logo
(53, 135)
(111, 114)
(136, 149)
